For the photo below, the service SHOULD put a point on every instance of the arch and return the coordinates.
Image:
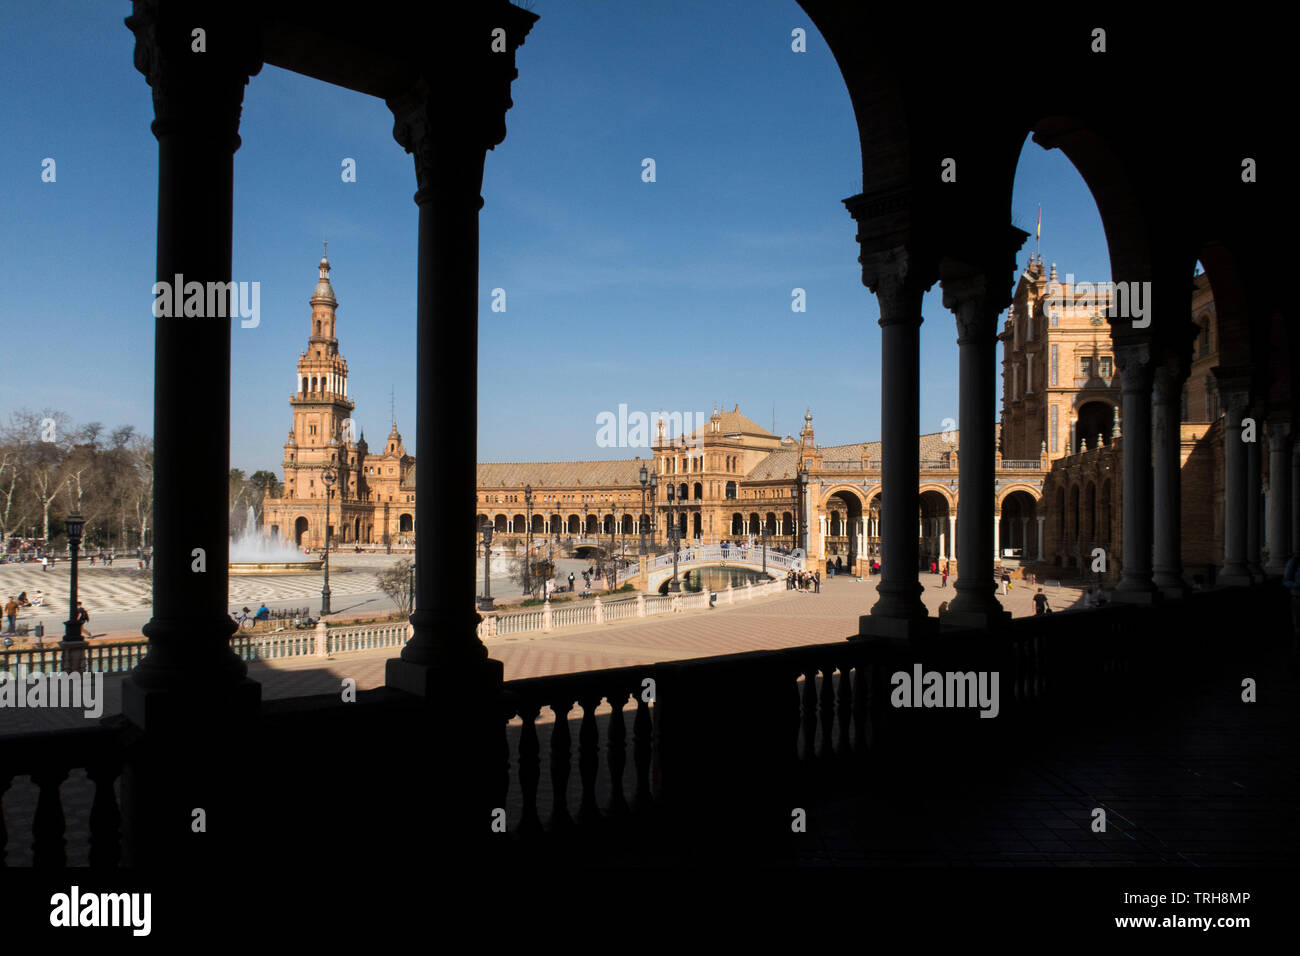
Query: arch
(699, 491)
(1019, 486)
(405, 523)
(682, 491)
(627, 524)
(517, 524)
(1017, 527)
(731, 491)
(499, 524)
(1095, 416)
(575, 525)
(299, 530)
(737, 523)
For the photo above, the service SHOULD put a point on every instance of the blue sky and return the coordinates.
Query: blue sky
(674, 294)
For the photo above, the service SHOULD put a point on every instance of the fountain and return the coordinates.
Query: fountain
(252, 553)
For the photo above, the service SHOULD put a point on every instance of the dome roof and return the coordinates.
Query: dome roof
(324, 294)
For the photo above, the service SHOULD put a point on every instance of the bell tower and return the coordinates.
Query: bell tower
(322, 434)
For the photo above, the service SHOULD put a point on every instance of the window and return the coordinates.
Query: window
(1054, 426)
(1107, 370)
(1085, 366)
(311, 429)
(1055, 356)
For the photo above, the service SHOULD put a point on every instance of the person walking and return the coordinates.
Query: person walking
(1040, 604)
(571, 580)
(11, 613)
(45, 563)
(944, 582)
(817, 582)
(82, 619)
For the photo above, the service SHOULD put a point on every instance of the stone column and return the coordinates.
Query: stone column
(898, 613)
(1295, 498)
(191, 694)
(976, 603)
(1024, 538)
(1234, 396)
(1254, 484)
(1136, 586)
(449, 171)
(1040, 519)
(1279, 495)
(1167, 477)
(997, 538)
(952, 536)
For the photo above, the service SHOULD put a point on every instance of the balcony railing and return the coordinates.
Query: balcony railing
(807, 712)
(1021, 464)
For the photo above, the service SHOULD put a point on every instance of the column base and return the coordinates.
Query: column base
(1171, 585)
(187, 704)
(449, 679)
(1233, 576)
(1142, 595)
(895, 629)
(1276, 570)
(984, 620)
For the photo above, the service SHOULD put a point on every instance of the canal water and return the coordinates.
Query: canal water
(716, 578)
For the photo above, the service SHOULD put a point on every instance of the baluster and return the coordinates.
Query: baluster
(796, 715)
(642, 745)
(561, 754)
(862, 706)
(845, 710)
(503, 788)
(48, 826)
(617, 754)
(530, 769)
(5, 780)
(105, 834)
(828, 712)
(589, 758)
(810, 713)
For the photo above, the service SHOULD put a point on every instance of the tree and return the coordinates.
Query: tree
(396, 583)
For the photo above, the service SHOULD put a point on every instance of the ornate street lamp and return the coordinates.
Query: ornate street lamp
(763, 526)
(613, 527)
(528, 539)
(328, 477)
(673, 535)
(72, 627)
(644, 479)
(485, 602)
(654, 523)
(584, 520)
(803, 525)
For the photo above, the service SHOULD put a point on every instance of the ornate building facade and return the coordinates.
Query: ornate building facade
(371, 496)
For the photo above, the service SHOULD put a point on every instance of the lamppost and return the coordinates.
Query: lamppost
(673, 536)
(794, 537)
(654, 522)
(328, 478)
(72, 627)
(613, 527)
(644, 479)
(485, 602)
(584, 520)
(763, 535)
(528, 539)
(803, 525)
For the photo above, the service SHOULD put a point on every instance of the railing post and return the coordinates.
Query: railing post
(600, 611)
(640, 605)
(322, 640)
(677, 601)
(546, 616)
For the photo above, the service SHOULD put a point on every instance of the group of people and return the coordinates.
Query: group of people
(16, 604)
(803, 581)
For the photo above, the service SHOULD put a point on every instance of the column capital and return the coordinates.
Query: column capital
(198, 83)
(1170, 375)
(887, 273)
(1233, 383)
(1134, 363)
(456, 111)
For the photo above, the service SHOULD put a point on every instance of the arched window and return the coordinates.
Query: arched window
(731, 490)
